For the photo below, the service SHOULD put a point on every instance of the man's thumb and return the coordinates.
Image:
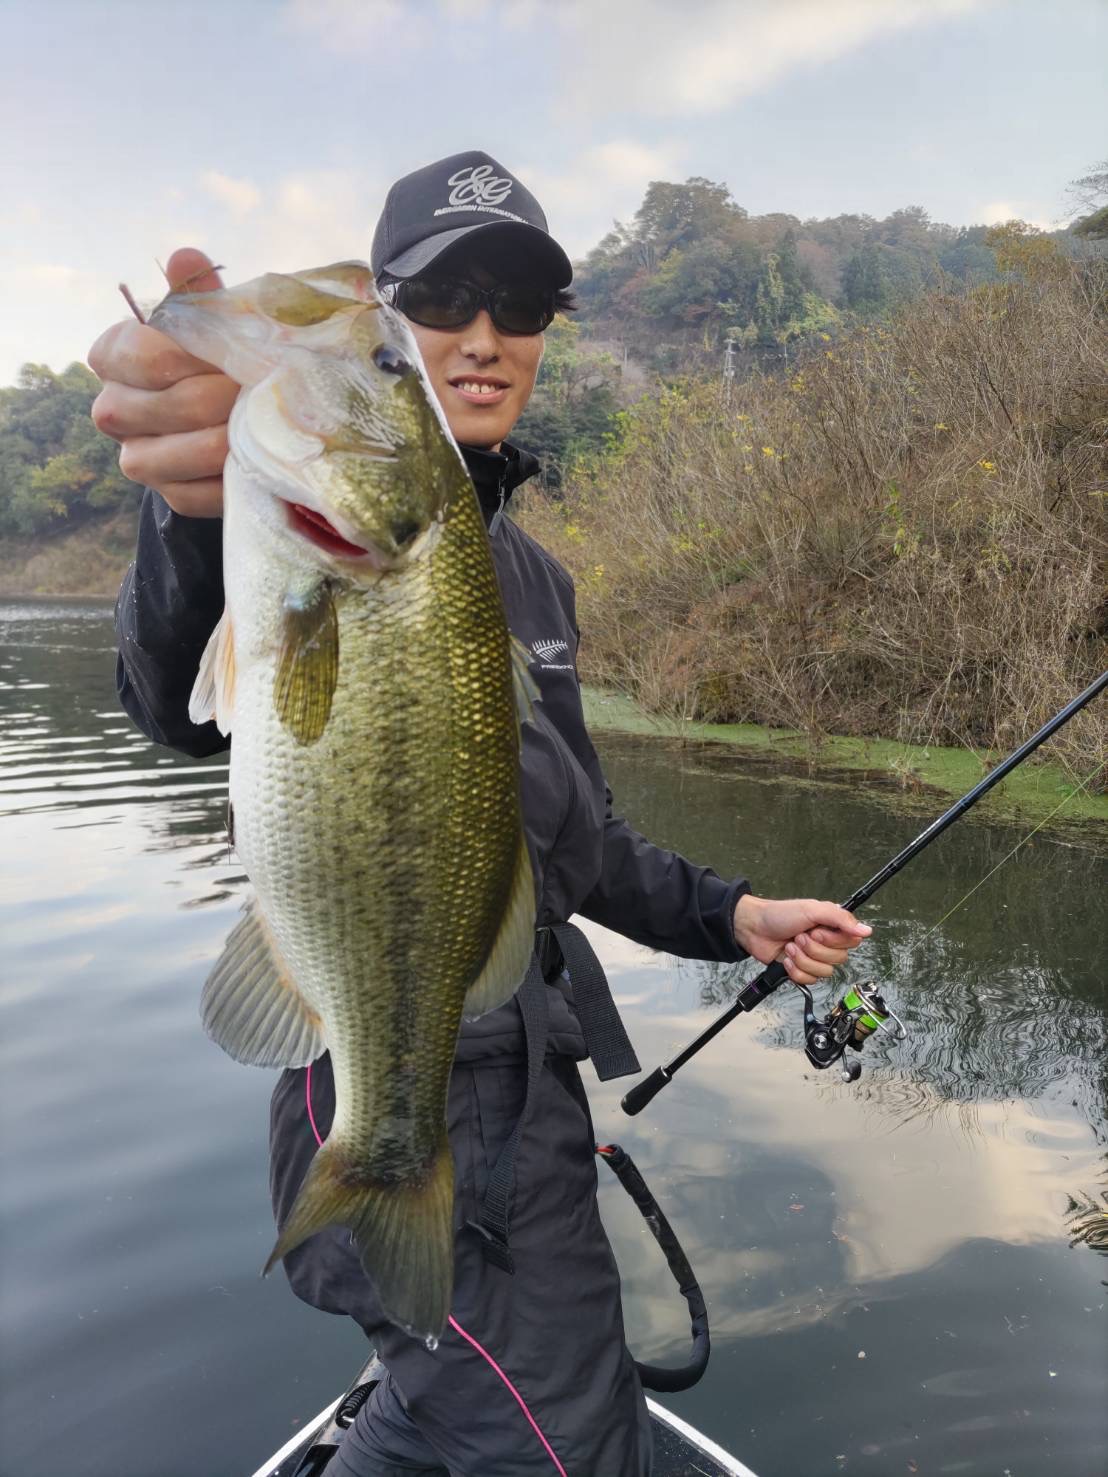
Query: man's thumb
(190, 270)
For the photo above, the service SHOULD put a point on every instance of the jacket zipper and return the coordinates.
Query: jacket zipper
(498, 516)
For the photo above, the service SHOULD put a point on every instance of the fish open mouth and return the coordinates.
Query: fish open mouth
(313, 525)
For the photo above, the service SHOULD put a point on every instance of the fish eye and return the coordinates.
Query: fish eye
(391, 361)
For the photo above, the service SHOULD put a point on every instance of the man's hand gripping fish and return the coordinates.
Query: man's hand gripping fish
(365, 668)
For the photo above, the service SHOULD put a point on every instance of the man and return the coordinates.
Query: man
(533, 1375)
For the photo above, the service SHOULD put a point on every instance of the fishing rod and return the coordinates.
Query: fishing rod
(861, 1011)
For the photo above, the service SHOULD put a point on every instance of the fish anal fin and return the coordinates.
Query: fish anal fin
(213, 693)
(511, 952)
(308, 664)
(403, 1231)
(250, 1004)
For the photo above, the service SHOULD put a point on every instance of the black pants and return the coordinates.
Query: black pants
(532, 1377)
(384, 1441)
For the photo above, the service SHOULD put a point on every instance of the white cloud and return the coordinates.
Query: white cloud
(705, 55)
(650, 57)
(239, 195)
(360, 25)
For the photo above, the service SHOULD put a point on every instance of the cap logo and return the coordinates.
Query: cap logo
(477, 187)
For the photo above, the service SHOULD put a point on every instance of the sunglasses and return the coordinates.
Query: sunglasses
(451, 302)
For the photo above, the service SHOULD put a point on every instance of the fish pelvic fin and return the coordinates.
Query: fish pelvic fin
(250, 1004)
(213, 693)
(308, 665)
(524, 686)
(403, 1232)
(510, 954)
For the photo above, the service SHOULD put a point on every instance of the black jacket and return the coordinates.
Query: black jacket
(588, 859)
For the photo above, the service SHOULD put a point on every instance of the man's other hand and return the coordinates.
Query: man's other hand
(811, 938)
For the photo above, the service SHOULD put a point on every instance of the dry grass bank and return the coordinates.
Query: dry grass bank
(905, 537)
(89, 561)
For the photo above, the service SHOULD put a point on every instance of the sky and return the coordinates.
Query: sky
(268, 131)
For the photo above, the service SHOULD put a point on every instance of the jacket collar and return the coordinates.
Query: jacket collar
(494, 472)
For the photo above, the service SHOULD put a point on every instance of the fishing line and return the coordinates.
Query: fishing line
(1064, 801)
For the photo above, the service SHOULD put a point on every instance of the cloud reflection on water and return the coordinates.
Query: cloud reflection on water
(794, 1193)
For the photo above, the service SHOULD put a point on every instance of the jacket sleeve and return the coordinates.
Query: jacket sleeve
(168, 606)
(661, 899)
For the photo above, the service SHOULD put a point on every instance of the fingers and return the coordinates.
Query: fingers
(813, 958)
(158, 461)
(835, 919)
(192, 404)
(190, 269)
(836, 938)
(137, 355)
(134, 354)
(798, 975)
(200, 499)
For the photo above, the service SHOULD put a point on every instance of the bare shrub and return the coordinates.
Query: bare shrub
(903, 537)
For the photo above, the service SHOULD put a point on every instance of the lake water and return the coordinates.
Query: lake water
(888, 1268)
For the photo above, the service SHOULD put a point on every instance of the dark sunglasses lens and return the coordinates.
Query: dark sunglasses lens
(438, 304)
(522, 309)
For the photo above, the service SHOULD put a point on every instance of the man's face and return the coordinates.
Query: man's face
(460, 361)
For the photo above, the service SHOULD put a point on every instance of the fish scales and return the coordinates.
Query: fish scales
(376, 797)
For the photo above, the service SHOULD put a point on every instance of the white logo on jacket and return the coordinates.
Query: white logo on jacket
(546, 651)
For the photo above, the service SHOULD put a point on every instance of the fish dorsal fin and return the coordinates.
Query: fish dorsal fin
(213, 693)
(308, 664)
(251, 1006)
(351, 279)
(511, 952)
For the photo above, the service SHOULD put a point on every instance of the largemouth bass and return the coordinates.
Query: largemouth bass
(364, 667)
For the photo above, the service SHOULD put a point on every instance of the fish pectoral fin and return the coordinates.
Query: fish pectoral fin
(308, 664)
(403, 1231)
(251, 1006)
(213, 693)
(524, 686)
(511, 952)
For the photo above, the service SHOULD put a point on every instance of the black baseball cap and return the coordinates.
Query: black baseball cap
(435, 207)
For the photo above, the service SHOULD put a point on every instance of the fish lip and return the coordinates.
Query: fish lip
(307, 523)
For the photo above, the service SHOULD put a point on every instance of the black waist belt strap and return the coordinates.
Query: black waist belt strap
(607, 1043)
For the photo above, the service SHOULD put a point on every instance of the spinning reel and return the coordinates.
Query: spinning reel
(859, 1013)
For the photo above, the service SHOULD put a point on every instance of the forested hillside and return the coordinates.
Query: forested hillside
(692, 283)
(903, 535)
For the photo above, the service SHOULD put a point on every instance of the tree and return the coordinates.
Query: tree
(1025, 251)
(968, 258)
(55, 468)
(1089, 194)
(865, 285)
(769, 302)
(574, 405)
(793, 282)
(676, 215)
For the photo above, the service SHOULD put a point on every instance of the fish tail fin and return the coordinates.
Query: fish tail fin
(403, 1232)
